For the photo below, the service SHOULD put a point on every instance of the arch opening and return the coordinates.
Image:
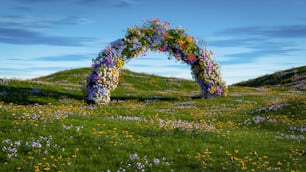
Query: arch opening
(154, 35)
(155, 63)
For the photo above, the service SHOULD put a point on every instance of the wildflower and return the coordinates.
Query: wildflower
(209, 68)
(139, 165)
(46, 152)
(163, 49)
(76, 149)
(133, 156)
(156, 161)
(191, 58)
(166, 163)
(236, 151)
(189, 39)
(17, 143)
(219, 91)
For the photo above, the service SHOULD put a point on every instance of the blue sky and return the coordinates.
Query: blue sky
(249, 38)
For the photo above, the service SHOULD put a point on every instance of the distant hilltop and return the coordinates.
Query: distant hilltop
(294, 77)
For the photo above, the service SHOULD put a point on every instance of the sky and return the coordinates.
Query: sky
(249, 38)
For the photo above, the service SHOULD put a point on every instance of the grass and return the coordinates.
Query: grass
(292, 77)
(153, 123)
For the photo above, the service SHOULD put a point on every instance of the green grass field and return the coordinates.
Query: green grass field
(152, 124)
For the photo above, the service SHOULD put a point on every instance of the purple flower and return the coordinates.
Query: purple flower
(209, 67)
(36, 144)
(90, 91)
(108, 59)
(94, 77)
(219, 91)
(118, 43)
(204, 57)
(139, 165)
(156, 161)
(136, 46)
(133, 156)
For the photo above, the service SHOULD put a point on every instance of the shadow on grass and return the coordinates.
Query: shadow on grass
(26, 96)
(155, 98)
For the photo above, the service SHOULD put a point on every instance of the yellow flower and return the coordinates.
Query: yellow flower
(130, 30)
(120, 63)
(243, 168)
(46, 168)
(189, 39)
(102, 132)
(115, 72)
(76, 149)
(236, 150)
(213, 89)
(181, 43)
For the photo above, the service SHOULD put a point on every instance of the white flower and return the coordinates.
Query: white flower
(139, 165)
(46, 152)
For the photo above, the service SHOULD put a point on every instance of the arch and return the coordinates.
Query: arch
(154, 35)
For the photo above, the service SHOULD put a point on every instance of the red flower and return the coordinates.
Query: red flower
(163, 49)
(191, 58)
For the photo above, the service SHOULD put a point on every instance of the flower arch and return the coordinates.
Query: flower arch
(154, 35)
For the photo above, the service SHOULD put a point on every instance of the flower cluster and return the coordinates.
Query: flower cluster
(258, 120)
(154, 35)
(136, 163)
(269, 108)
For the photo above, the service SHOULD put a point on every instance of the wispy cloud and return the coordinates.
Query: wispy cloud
(92, 2)
(251, 55)
(70, 57)
(260, 41)
(29, 37)
(122, 4)
(283, 31)
(234, 42)
(107, 3)
(21, 21)
(35, 1)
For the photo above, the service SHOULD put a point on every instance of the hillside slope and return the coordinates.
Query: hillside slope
(59, 86)
(295, 77)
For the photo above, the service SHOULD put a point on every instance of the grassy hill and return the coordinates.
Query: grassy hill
(153, 124)
(68, 84)
(295, 77)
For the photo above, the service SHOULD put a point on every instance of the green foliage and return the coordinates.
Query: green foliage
(153, 123)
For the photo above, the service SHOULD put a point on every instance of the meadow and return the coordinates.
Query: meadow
(152, 124)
